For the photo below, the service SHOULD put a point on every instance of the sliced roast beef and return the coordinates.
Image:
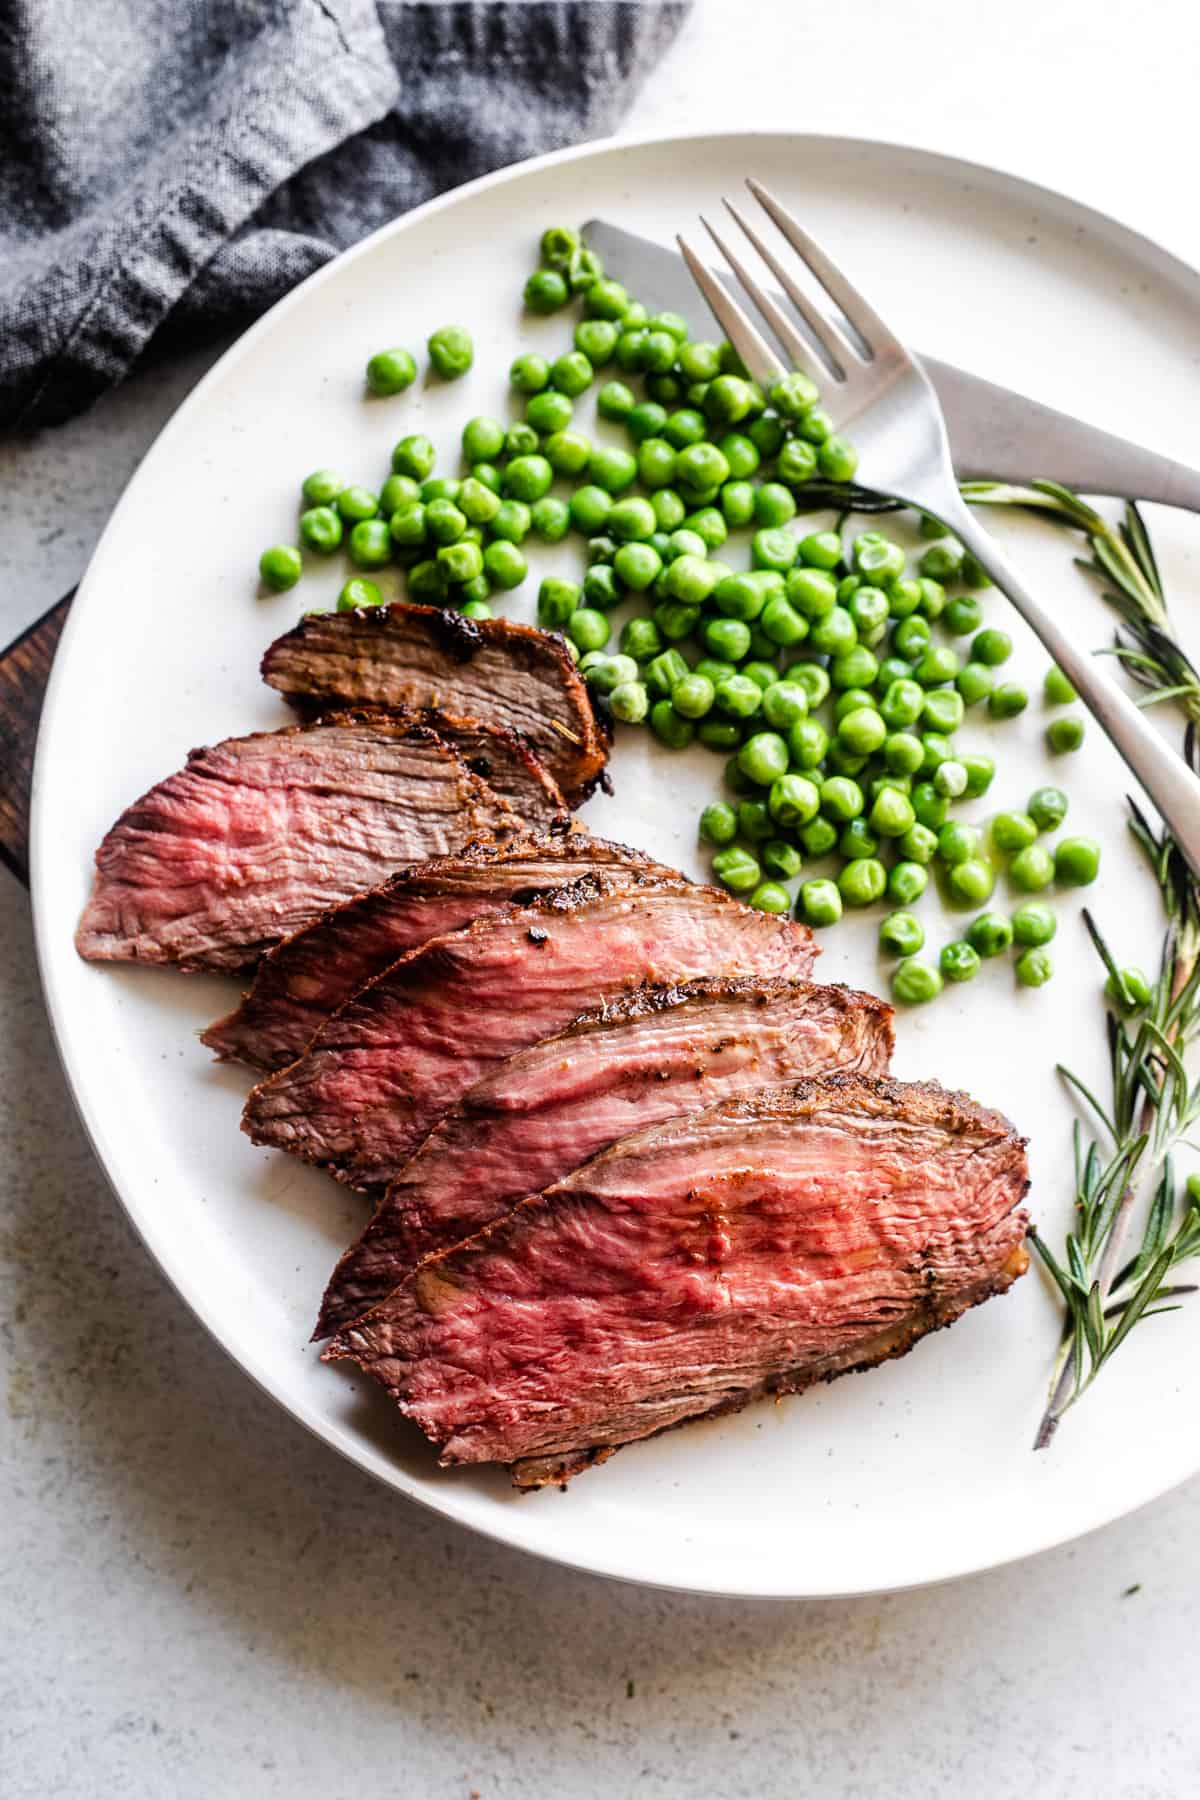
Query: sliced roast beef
(510, 767)
(763, 1244)
(381, 1072)
(419, 656)
(544, 1111)
(258, 835)
(308, 976)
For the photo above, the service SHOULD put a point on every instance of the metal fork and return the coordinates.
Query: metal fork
(876, 390)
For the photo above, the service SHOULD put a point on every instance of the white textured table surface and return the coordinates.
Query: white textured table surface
(199, 1601)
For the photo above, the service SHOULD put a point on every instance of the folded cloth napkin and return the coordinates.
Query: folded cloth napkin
(182, 163)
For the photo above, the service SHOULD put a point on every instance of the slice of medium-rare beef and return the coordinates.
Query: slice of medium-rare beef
(309, 975)
(510, 768)
(420, 656)
(385, 1067)
(543, 1112)
(258, 835)
(772, 1240)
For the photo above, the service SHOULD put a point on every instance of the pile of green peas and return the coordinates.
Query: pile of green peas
(815, 672)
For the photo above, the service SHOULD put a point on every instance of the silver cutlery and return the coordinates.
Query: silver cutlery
(880, 396)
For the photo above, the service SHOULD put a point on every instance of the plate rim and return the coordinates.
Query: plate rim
(1169, 264)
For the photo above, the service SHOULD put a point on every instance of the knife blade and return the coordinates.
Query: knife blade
(995, 434)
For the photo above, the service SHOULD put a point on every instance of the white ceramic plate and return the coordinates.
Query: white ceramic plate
(914, 1473)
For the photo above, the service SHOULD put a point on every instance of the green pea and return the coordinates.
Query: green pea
(507, 568)
(614, 401)
(737, 697)
(914, 982)
(646, 421)
(601, 588)
(918, 844)
(910, 638)
(547, 412)
(1031, 869)
(938, 664)
(482, 439)
(693, 697)
(812, 678)
(933, 598)
(891, 814)
(476, 502)
(699, 360)
(863, 881)
(992, 647)
(781, 625)
(794, 800)
(1129, 991)
(718, 824)
(784, 702)
(670, 511)
(773, 507)
(1047, 807)
(601, 549)
(869, 609)
(357, 503)
(637, 566)
(770, 897)
(990, 934)
(942, 711)
(529, 373)
(414, 456)
(737, 503)
(764, 758)
(391, 371)
(950, 778)
(902, 704)
(818, 837)
(527, 478)
(841, 761)
(358, 593)
(550, 519)
(1033, 968)
(808, 742)
(321, 529)
(980, 773)
(851, 700)
(837, 459)
(737, 870)
(322, 487)
(799, 461)
(862, 731)
(370, 544)
(783, 860)
(444, 522)
(905, 597)
(427, 583)
(641, 639)
(709, 525)
(606, 299)
(1033, 923)
(611, 468)
(857, 840)
(665, 673)
(903, 753)
(773, 548)
(441, 488)
(816, 427)
(729, 398)
(743, 595)
(957, 842)
(877, 557)
(557, 600)
(488, 474)
(930, 807)
(959, 961)
(755, 821)
(834, 634)
(1056, 688)
(813, 593)
(1013, 831)
(451, 350)
(280, 567)
(942, 561)
(841, 798)
(604, 673)
(461, 562)
(597, 340)
(854, 668)
(726, 639)
(1064, 735)
(906, 882)
(963, 616)
(589, 508)
(971, 881)
(1076, 861)
(819, 903)
(719, 734)
(974, 683)
(1007, 700)
(901, 934)
(545, 292)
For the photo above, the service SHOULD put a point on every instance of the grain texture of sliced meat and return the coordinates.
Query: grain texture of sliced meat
(545, 1111)
(258, 835)
(381, 1072)
(419, 656)
(765, 1243)
(309, 975)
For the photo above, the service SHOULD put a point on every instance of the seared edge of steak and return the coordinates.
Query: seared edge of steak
(548, 1108)
(310, 974)
(255, 835)
(382, 655)
(774, 1239)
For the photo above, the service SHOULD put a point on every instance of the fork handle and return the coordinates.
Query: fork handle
(1162, 772)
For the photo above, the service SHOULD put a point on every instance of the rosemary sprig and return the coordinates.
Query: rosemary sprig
(1122, 561)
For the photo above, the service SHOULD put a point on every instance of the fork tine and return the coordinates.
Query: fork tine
(861, 314)
(835, 346)
(757, 355)
(781, 325)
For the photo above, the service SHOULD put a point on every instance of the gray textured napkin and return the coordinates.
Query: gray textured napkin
(167, 166)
